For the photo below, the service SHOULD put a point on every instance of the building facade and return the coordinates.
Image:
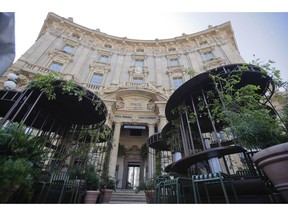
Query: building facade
(133, 77)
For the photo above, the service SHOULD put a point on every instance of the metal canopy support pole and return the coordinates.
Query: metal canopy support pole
(184, 140)
(189, 131)
(211, 119)
(198, 124)
(16, 103)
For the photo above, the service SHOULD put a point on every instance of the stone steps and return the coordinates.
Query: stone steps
(127, 196)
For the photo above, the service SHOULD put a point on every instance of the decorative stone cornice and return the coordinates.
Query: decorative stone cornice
(215, 62)
(94, 35)
(100, 67)
(206, 48)
(66, 57)
(175, 69)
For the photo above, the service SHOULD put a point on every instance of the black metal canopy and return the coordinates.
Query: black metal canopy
(193, 87)
(181, 166)
(34, 108)
(156, 142)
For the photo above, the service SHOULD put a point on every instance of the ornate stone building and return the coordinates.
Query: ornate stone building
(133, 77)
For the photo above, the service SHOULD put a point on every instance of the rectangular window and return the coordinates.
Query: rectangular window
(75, 35)
(68, 48)
(135, 132)
(174, 62)
(56, 66)
(139, 63)
(208, 56)
(203, 43)
(177, 81)
(138, 79)
(172, 49)
(97, 79)
(139, 50)
(108, 46)
(104, 58)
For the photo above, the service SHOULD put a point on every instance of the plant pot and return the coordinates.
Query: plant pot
(107, 195)
(150, 196)
(8, 194)
(274, 162)
(91, 196)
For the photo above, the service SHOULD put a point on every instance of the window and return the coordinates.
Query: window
(203, 43)
(56, 66)
(97, 79)
(108, 46)
(172, 49)
(138, 79)
(177, 81)
(139, 50)
(75, 35)
(208, 56)
(174, 62)
(104, 58)
(68, 48)
(139, 63)
(135, 132)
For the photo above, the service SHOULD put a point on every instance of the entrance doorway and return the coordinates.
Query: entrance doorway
(133, 177)
(133, 168)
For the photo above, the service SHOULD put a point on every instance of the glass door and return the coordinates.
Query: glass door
(133, 176)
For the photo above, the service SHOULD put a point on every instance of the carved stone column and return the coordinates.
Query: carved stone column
(114, 150)
(151, 154)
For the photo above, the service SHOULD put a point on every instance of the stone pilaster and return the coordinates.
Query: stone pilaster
(151, 154)
(118, 69)
(114, 150)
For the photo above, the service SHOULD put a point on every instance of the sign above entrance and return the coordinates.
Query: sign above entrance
(135, 127)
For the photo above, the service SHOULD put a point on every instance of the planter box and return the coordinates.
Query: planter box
(274, 162)
(91, 196)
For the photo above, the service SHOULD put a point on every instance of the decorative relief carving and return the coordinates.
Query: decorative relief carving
(151, 105)
(206, 49)
(221, 39)
(61, 56)
(213, 63)
(135, 103)
(176, 69)
(119, 104)
(99, 67)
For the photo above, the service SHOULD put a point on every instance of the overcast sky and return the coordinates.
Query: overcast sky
(263, 33)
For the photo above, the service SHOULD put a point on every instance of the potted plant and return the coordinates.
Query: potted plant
(149, 189)
(274, 161)
(107, 186)
(92, 183)
(255, 125)
(21, 160)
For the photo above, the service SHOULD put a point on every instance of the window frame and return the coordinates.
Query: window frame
(68, 48)
(94, 77)
(56, 66)
(174, 62)
(138, 79)
(208, 56)
(176, 81)
(104, 58)
(139, 63)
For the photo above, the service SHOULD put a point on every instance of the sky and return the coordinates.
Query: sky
(260, 30)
